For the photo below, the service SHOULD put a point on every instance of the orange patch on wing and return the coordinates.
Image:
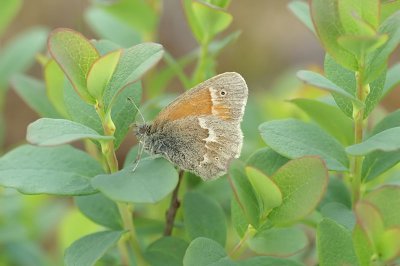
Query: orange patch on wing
(222, 111)
(197, 104)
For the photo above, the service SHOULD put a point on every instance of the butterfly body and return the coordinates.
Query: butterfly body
(200, 131)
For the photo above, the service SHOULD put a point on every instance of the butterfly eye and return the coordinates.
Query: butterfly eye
(222, 92)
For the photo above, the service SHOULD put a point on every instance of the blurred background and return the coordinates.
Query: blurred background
(272, 47)
(272, 44)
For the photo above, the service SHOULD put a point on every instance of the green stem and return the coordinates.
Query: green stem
(110, 158)
(126, 215)
(199, 73)
(238, 249)
(358, 117)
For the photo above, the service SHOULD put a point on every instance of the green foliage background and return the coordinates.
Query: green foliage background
(316, 184)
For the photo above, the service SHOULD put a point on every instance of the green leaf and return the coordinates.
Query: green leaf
(329, 28)
(152, 180)
(293, 139)
(134, 62)
(337, 192)
(334, 244)
(75, 55)
(302, 182)
(101, 72)
(370, 220)
(166, 251)
(340, 214)
(279, 242)
(387, 140)
(55, 78)
(104, 24)
(105, 46)
(362, 246)
(239, 220)
(79, 110)
(124, 112)
(388, 8)
(269, 261)
(389, 244)
(376, 62)
(378, 162)
(244, 193)
(100, 210)
(9, 9)
(320, 81)
(50, 132)
(16, 56)
(329, 118)
(203, 217)
(380, 199)
(266, 160)
(32, 91)
(391, 120)
(138, 15)
(57, 170)
(268, 193)
(94, 247)
(211, 20)
(203, 251)
(360, 46)
(359, 18)
(302, 11)
(392, 79)
(346, 79)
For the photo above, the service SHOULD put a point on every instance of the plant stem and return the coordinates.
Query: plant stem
(173, 207)
(126, 215)
(108, 150)
(199, 73)
(237, 250)
(358, 116)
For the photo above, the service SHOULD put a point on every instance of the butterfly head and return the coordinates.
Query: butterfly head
(141, 130)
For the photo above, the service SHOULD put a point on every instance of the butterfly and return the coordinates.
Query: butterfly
(200, 130)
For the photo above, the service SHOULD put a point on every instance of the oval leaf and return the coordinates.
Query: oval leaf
(203, 251)
(268, 193)
(334, 243)
(101, 72)
(279, 242)
(329, 28)
(166, 251)
(329, 117)
(244, 193)
(18, 48)
(293, 139)
(267, 161)
(203, 217)
(322, 82)
(134, 62)
(89, 249)
(33, 92)
(49, 132)
(52, 170)
(75, 55)
(387, 140)
(151, 181)
(302, 182)
(100, 210)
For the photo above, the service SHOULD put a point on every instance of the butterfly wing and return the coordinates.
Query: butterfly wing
(200, 131)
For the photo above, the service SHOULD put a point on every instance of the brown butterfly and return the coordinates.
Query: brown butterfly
(200, 130)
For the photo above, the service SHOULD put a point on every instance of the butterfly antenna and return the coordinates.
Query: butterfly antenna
(141, 143)
(138, 110)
